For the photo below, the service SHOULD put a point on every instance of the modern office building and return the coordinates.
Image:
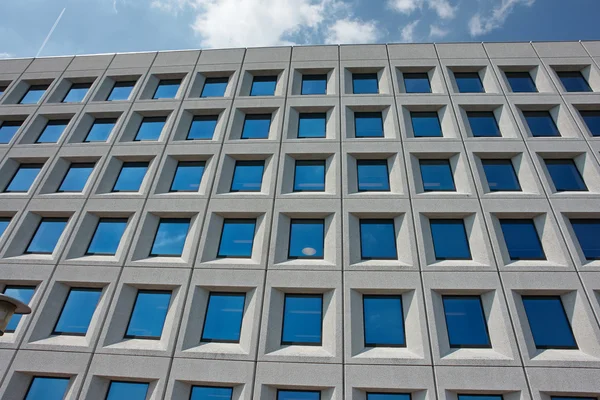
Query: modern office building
(365, 222)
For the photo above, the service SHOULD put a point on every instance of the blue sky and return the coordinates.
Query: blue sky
(106, 26)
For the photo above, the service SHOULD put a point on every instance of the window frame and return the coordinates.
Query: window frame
(62, 309)
(91, 165)
(188, 163)
(169, 220)
(236, 221)
(301, 295)
(100, 220)
(382, 162)
(483, 317)
(385, 296)
(126, 335)
(44, 219)
(223, 294)
(305, 221)
(310, 163)
(40, 166)
(545, 297)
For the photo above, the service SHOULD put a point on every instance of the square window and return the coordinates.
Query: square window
(416, 82)
(465, 322)
(314, 84)
(373, 175)
(383, 321)
(76, 177)
(298, 395)
(302, 320)
(307, 238)
(77, 93)
(52, 131)
(24, 295)
(150, 129)
(309, 176)
(23, 178)
(247, 176)
(188, 176)
(77, 312)
(167, 89)
(590, 117)
(588, 232)
(131, 177)
(237, 238)
(468, 82)
(263, 85)
(483, 124)
(46, 236)
(522, 240)
(548, 322)
(149, 313)
(565, 175)
(500, 175)
(121, 91)
(378, 239)
(521, 82)
(223, 319)
(256, 126)
(480, 397)
(4, 222)
(107, 236)
(541, 124)
(388, 396)
(171, 234)
(8, 130)
(202, 127)
(450, 240)
(312, 125)
(437, 175)
(119, 390)
(46, 388)
(573, 81)
(211, 393)
(100, 130)
(34, 94)
(365, 83)
(426, 124)
(368, 124)
(214, 87)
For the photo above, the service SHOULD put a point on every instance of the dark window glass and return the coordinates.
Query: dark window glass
(150, 129)
(500, 175)
(483, 124)
(368, 124)
(383, 321)
(77, 312)
(167, 89)
(46, 388)
(521, 82)
(188, 176)
(131, 177)
(548, 322)
(211, 393)
(590, 117)
(372, 175)
(100, 130)
(302, 319)
(247, 176)
(541, 123)
(572, 398)
(24, 295)
(378, 239)
(52, 131)
(256, 126)
(4, 222)
(47, 235)
(437, 175)
(121, 91)
(202, 127)
(312, 125)
(298, 395)
(450, 240)
(573, 81)
(237, 238)
(76, 177)
(565, 175)
(522, 240)
(34, 94)
(306, 238)
(468, 82)
(388, 396)
(8, 130)
(314, 84)
(588, 233)
(23, 178)
(170, 237)
(2, 89)
(263, 86)
(77, 93)
(465, 322)
(214, 87)
(365, 83)
(416, 82)
(148, 315)
(107, 236)
(223, 320)
(426, 124)
(309, 176)
(127, 390)
(480, 397)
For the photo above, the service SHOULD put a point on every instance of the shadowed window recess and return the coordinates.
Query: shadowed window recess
(416, 82)
(76, 177)
(465, 322)
(587, 232)
(150, 129)
(237, 238)
(372, 176)
(34, 94)
(256, 126)
(52, 131)
(378, 239)
(365, 83)
(211, 393)
(480, 397)
(23, 178)
(121, 91)
(298, 395)
(468, 82)
(100, 130)
(312, 125)
(47, 235)
(368, 124)
(223, 319)
(522, 240)
(263, 85)
(426, 124)
(437, 175)
(483, 124)
(77, 93)
(309, 176)
(214, 87)
(77, 311)
(302, 319)
(130, 177)
(107, 236)
(573, 81)
(47, 388)
(592, 120)
(119, 390)
(24, 295)
(188, 176)
(314, 84)
(383, 321)
(450, 240)
(4, 222)
(500, 175)
(167, 89)
(8, 130)
(148, 315)
(565, 175)
(202, 127)
(247, 176)
(548, 322)
(521, 82)
(541, 124)
(170, 238)
(307, 237)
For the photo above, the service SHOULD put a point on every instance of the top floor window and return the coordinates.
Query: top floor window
(214, 87)
(314, 84)
(167, 89)
(468, 82)
(416, 82)
(573, 81)
(77, 93)
(521, 82)
(121, 91)
(34, 94)
(263, 86)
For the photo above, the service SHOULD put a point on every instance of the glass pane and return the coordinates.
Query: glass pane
(373, 176)
(521, 82)
(388, 396)
(417, 82)
(548, 323)
(309, 176)
(223, 320)
(76, 177)
(468, 82)
(450, 239)
(214, 87)
(306, 238)
(480, 397)
(53, 131)
(121, 91)
(483, 124)
(572, 398)
(24, 178)
(312, 125)
(107, 237)
(127, 390)
(377, 239)
(8, 130)
(4, 222)
(34, 94)
(591, 119)
(588, 233)
(500, 175)
(256, 126)
(24, 295)
(45, 388)
(247, 176)
(149, 313)
(167, 89)
(573, 81)
(101, 130)
(131, 177)
(383, 321)
(426, 124)
(541, 123)
(465, 322)
(263, 86)
(565, 175)
(437, 175)
(150, 129)
(211, 393)
(77, 311)
(365, 83)
(203, 127)
(237, 238)
(368, 124)
(47, 235)
(522, 239)
(170, 237)
(188, 176)
(298, 395)
(77, 93)
(302, 319)
(314, 84)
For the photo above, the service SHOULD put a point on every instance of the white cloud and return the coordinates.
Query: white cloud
(443, 8)
(352, 31)
(407, 33)
(405, 6)
(436, 31)
(6, 55)
(480, 25)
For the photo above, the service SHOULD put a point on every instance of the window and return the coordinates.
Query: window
(107, 236)
(521, 82)
(548, 322)
(263, 86)
(572, 398)
(77, 312)
(52, 131)
(450, 239)
(237, 238)
(211, 393)
(314, 84)
(365, 83)
(256, 126)
(309, 176)
(148, 315)
(46, 236)
(416, 82)
(311, 125)
(8, 130)
(34, 94)
(588, 232)
(127, 390)
(437, 175)
(468, 82)
(573, 81)
(76, 177)
(121, 91)
(24, 295)
(426, 124)
(23, 178)
(302, 320)
(150, 129)
(465, 322)
(46, 388)
(306, 238)
(590, 117)
(223, 320)
(214, 87)
(483, 124)
(202, 127)
(565, 175)
(170, 237)
(188, 176)
(368, 124)
(383, 321)
(298, 395)
(378, 239)
(77, 93)
(4, 222)
(247, 176)
(522, 240)
(480, 397)
(167, 89)
(541, 123)
(100, 130)
(131, 177)
(2, 89)
(500, 175)
(372, 175)
(388, 396)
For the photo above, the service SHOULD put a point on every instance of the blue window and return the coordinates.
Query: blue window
(590, 117)
(188, 176)
(77, 93)
(202, 127)
(223, 319)
(24, 295)
(107, 236)
(167, 89)
(500, 175)
(365, 83)
(119, 390)
(2, 89)
(465, 322)
(541, 123)
(388, 396)
(170, 237)
(314, 84)
(263, 86)
(522, 240)
(378, 239)
(450, 240)
(588, 232)
(121, 91)
(480, 397)
(211, 393)
(565, 175)
(131, 177)
(426, 124)
(306, 238)
(23, 178)
(34, 94)
(100, 130)
(237, 238)
(214, 87)
(148, 315)
(77, 312)
(298, 395)
(521, 82)
(302, 319)
(247, 176)
(256, 126)
(416, 82)
(312, 125)
(150, 129)
(46, 388)
(52, 131)
(383, 321)
(548, 322)
(372, 175)
(483, 124)
(76, 177)
(8, 130)
(4, 222)
(368, 124)
(309, 176)
(573, 81)
(468, 82)
(572, 398)
(47, 235)
(437, 175)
